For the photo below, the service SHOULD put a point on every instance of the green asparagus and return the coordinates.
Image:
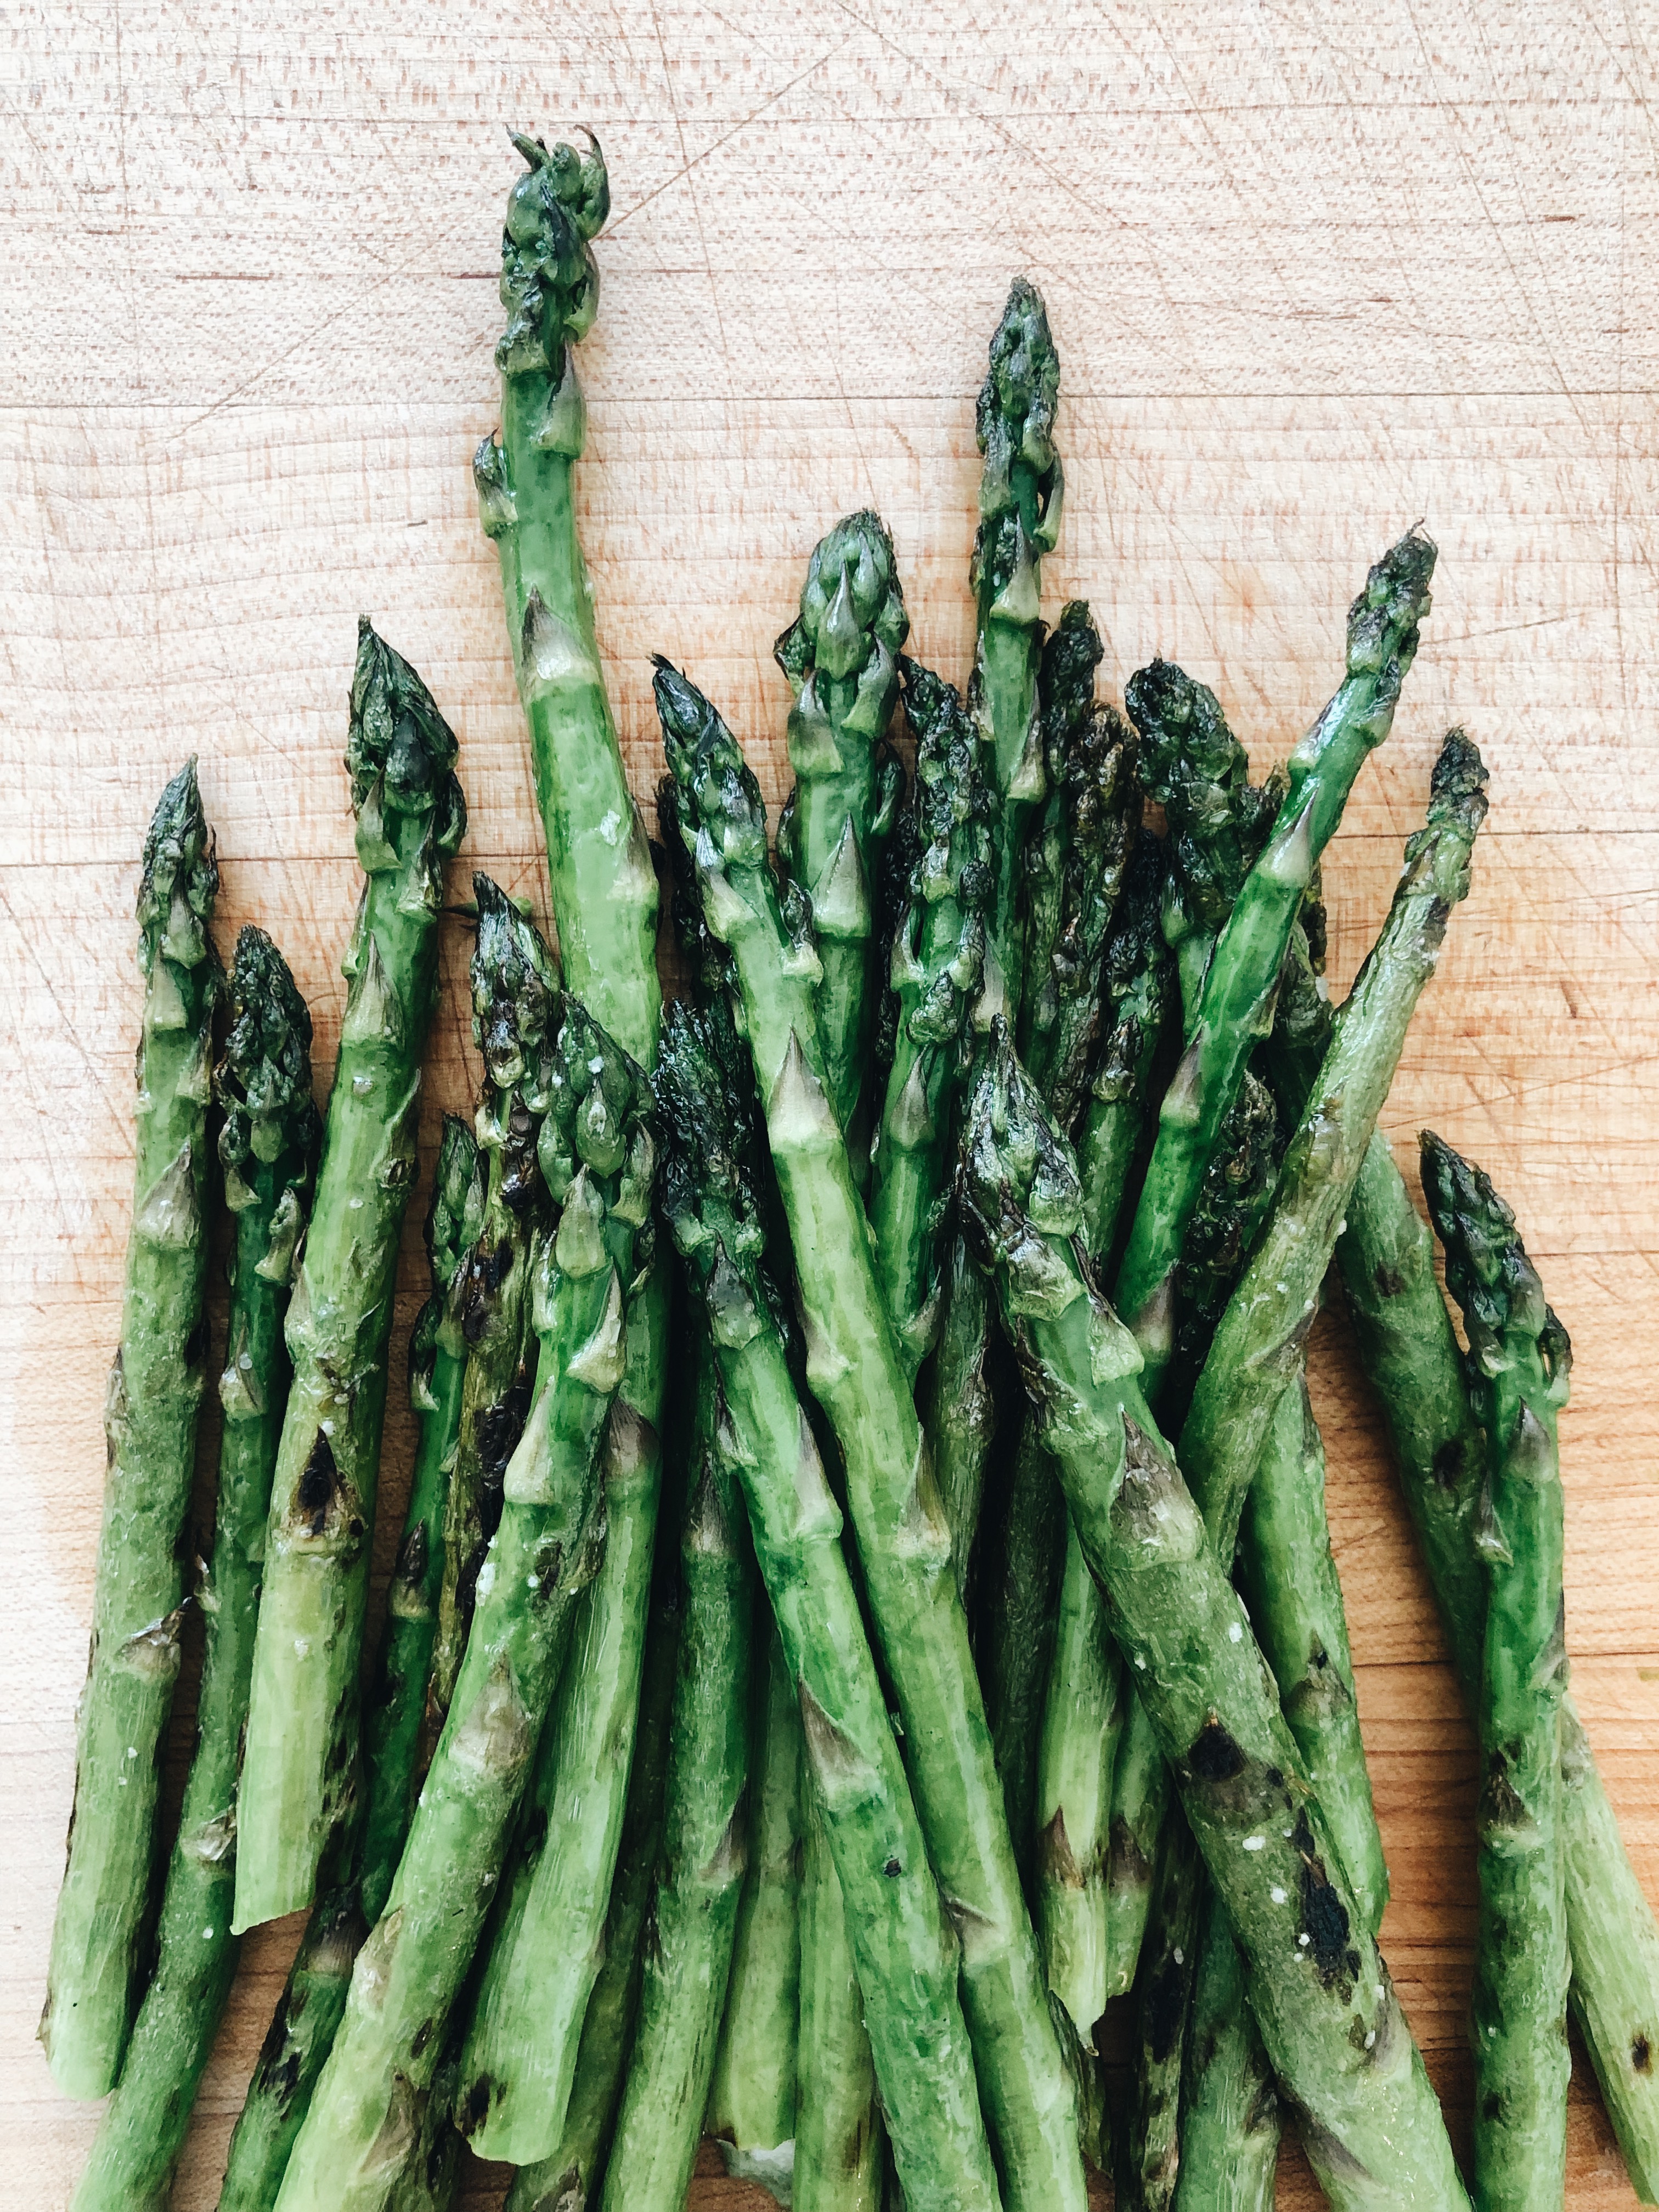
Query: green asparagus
(752, 2099)
(688, 1947)
(1236, 1003)
(938, 966)
(1333, 2028)
(903, 1542)
(267, 1147)
(1407, 1346)
(1230, 2123)
(596, 1156)
(892, 1913)
(1135, 995)
(1289, 1580)
(514, 983)
(1519, 1361)
(1149, 2157)
(568, 2180)
(300, 1760)
(150, 1409)
(307, 2014)
(1072, 652)
(840, 657)
(838, 2146)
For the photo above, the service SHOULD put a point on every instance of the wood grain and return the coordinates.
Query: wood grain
(1313, 275)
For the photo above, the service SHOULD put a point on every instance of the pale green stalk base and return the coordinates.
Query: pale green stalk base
(1141, 1801)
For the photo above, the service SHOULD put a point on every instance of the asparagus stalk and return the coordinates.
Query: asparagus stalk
(1289, 1583)
(1135, 995)
(1019, 1611)
(300, 1758)
(267, 1147)
(569, 2177)
(1066, 696)
(1258, 1346)
(938, 966)
(839, 656)
(903, 1540)
(752, 2099)
(838, 2146)
(1236, 1004)
(1074, 1798)
(1141, 1801)
(605, 903)
(1230, 2120)
(1149, 2165)
(1519, 1360)
(513, 982)
(1411, 1356)
(893, 1915)
(595, 1154)
(151, 1412)
(307, 2014)
(687, 1949)
(1333, 2028)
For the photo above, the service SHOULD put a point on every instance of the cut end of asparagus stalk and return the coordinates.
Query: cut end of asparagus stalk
(179, 878)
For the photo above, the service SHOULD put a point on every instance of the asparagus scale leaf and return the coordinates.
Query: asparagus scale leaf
(307, 2014)
(267, 1147)
(151, 1412)
(1332, 2026)
(853, 1369)
(1236, 1004)
(299, 1761)
(1519, 1361)
(597, 1157)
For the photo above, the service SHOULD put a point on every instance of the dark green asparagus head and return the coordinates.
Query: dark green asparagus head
(1072, 652)
(1018, 1183)
(852, 621)
(1198, 773)
(709, 967)
(178, 879)
(710, 1119)
(400, 755)
(1233, 1202)
(1383, 621)
(453, 1220)
(549, 280)
(263, 1083)
(597, 1143)
(1510, 1326)
(1099, 787)
(1138, 976)
(944, 852)
(1021, 485)
(1441, 849)
(516, 1010)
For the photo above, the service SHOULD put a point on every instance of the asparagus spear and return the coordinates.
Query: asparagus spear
(150, 1422)
(1333, 2028)
(569, 2177)
(605, 900)
(1071, 654)
(1289, 1580)
(838, 2146)
(1074, 1797)
(300, 1751)
(752, 2099)
(1519, 1360)
(1135, 995)
(904, 1543)
(937, 965)
(307, 2014)
(267, 1147)
(1150, 2159)
(893, 1913)
(687, 1946)
(1236, 1003)
(1229, 2121)
(839, 656)
(514, 982)
(595, 1154)
(1411, 1356)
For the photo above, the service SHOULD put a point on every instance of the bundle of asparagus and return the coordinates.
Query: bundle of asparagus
(821, 1779)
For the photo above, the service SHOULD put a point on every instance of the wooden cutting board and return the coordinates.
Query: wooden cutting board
(1313, 275)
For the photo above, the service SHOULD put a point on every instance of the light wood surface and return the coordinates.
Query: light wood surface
(1314, 273)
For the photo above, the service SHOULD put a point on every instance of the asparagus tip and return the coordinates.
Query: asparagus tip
(179, 875)
(264, 1078)
(515, 987)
